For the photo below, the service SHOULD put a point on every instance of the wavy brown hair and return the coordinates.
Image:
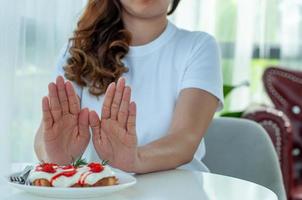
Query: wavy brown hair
(98, 45)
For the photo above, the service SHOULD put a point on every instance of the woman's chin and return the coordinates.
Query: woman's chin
(146, 9)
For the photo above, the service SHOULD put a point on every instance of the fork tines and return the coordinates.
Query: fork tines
(17, 178)
(21, 177)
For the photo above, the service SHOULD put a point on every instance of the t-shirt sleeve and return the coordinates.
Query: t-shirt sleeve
(203, 69)
(59, 70)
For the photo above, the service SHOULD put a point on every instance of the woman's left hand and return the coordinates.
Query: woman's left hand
(114, 135)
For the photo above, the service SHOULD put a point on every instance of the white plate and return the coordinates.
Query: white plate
(125, 181)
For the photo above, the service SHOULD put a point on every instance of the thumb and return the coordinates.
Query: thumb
(131, 122)
(95, 124)
(84, 122)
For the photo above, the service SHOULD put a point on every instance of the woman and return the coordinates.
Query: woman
(173, 78)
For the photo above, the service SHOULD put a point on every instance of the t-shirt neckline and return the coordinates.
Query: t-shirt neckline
(137, 51)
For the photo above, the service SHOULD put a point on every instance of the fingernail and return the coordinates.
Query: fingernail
(112, 84)
(51, 84)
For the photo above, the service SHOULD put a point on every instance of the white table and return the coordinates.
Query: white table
(173, 185)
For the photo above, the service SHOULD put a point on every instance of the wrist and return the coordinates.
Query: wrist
(39, 146)
(139, 161)
(55, 155)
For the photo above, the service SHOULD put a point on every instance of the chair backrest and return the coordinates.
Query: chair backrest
(278, 127)
(284, 87)
(241, 148)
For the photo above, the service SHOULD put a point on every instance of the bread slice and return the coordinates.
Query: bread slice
(108, 181)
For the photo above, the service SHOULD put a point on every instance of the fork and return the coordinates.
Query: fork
(21, 177)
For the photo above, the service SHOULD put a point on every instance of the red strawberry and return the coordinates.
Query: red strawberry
(96, 167)
(47, 167)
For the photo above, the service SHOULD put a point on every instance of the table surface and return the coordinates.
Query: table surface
(174, 184)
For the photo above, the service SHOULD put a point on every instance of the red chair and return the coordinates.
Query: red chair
(278, 127)
(284, 123)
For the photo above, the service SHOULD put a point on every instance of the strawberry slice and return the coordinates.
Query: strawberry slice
(47, 167)
(96, 167)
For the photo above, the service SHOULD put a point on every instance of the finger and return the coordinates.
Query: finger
(123, 112)
(55, 106)
(73, 101)
(84, 123)
(117, 98)
(94, 123)
(47, 118)
(62, 94)
(108, 101)
(131, 122)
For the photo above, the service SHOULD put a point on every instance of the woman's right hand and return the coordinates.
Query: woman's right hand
(65, 127)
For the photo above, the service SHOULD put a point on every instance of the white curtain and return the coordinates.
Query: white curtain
(245, 39)
(32, 33)
(7, 58)
(291, 32)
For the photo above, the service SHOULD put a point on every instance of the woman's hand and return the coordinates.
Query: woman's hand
(114, 136)
(65, 127)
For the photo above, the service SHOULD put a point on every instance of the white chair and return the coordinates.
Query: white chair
(241, 148)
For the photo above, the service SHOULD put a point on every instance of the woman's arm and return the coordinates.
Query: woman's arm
(114, 136)
(193, 113)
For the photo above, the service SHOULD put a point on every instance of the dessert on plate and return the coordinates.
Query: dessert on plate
(78, 174)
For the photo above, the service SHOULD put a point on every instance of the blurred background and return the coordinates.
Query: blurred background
(253, 35)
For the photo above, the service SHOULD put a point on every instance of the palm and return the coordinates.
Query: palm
(117, 145)
(65, 126)
(70, 143)
(114, 136)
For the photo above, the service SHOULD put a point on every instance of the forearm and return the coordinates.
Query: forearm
(186, 131)
(168, 152)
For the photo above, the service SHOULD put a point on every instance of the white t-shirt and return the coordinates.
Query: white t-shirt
(158, 71)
